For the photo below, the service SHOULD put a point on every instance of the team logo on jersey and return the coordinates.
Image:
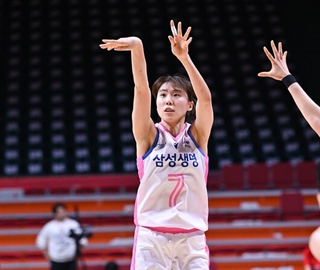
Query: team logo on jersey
(186, 144)
(161, 145)
(175, 145)
(172, 160)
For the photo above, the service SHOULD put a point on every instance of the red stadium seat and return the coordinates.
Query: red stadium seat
(258, 176)
(233, 177)
(306, 174)
(282, 175)
(291, 205)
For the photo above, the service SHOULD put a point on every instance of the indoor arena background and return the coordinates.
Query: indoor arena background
(66, 134)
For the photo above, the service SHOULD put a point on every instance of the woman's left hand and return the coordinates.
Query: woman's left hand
(179, 43)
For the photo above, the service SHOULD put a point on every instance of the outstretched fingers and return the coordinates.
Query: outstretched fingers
(187, 33)
(178, 32)
(111, 44)
(275, 50)
(284, 57)
(173, 28)
(180, 29)
(107, 44)
(171, 39)
(189, 40)
(280, 50)
(272, 60)
(264, 74)
(279, 57)
(268, 54)
(278, 62)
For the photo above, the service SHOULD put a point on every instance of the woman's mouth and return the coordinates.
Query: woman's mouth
(168, 110)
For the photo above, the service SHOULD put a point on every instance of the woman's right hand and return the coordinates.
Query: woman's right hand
(121, 44)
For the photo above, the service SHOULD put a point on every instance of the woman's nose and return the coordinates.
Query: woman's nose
(168, 100)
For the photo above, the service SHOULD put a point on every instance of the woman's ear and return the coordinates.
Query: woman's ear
(190, 107)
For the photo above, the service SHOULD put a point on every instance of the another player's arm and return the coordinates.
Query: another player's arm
(279, 71)
(309, 109)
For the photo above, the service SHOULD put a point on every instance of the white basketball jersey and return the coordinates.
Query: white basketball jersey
(173, 175)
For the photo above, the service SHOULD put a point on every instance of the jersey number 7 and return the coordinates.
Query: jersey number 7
(179, 178)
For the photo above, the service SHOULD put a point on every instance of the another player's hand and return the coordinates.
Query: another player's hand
(179, 43)
(279, 68)
(121, 44)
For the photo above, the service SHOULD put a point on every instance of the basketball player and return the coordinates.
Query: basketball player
(171, 211)
(309, 109)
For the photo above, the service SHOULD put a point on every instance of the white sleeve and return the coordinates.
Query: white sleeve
(41, 240)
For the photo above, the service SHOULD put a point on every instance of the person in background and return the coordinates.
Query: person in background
(309, 109)
(56, 242)
(171, 210)
(112, 266)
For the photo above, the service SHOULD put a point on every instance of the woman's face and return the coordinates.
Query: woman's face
(172, 103)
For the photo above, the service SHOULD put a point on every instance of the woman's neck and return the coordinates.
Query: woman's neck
(174, 129)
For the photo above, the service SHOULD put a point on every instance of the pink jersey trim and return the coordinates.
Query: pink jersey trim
(140, 167)
(208, 252)
(135, 214)
(207, 168)
(171, 230)
(179, 135)
(133, 260)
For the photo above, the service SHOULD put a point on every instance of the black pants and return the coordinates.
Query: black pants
(64, 266)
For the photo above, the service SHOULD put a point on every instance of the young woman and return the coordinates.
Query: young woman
(171, 211)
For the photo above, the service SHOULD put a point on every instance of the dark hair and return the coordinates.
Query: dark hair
(56, 206)
(180, 81)
(111, 266)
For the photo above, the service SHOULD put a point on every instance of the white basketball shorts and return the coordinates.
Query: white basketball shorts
(154, 250)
